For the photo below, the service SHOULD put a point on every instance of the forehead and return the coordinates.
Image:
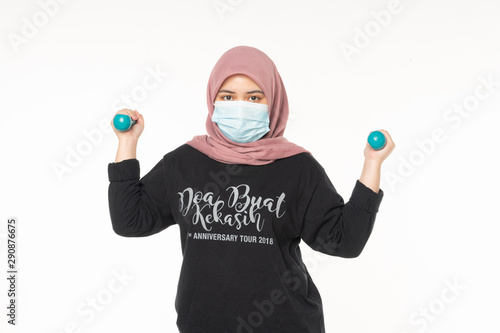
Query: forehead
(239, 80)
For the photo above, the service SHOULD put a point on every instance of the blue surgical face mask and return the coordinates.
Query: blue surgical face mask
(241, 121)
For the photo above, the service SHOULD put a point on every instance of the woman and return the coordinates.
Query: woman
(244, 197)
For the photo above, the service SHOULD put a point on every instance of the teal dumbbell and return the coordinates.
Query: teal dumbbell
(377, 140)
(123, 122)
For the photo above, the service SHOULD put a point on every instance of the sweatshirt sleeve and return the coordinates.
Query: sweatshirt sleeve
(339, 229)
(138, 207)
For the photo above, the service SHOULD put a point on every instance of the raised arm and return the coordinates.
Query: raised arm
(339, 229)
(138, 207)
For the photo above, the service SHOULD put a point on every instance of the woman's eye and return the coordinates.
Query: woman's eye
(227, 98)
(254, 98)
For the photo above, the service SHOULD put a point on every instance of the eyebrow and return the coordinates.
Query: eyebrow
(232, 92)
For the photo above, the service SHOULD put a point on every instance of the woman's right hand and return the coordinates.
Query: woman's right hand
(135, 131)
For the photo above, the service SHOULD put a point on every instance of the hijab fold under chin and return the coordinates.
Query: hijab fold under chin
(272, 146)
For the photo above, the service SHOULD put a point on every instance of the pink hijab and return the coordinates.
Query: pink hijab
(260, 68)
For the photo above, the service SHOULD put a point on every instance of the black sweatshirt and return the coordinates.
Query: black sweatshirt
(240, 228)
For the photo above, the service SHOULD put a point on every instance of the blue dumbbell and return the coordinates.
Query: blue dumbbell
(123, 122)
(377, 140)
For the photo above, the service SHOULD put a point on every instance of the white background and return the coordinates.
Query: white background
(438, 223)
